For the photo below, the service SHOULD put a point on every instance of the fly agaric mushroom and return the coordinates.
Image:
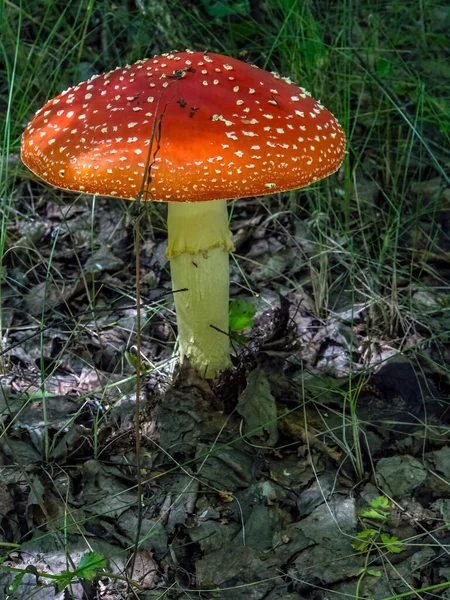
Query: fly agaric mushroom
(192, 129)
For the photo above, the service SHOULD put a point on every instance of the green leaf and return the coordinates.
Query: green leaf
(384, 67)
(367, 534)
(360, 546)
(16, 582)
(132, 359)
(376, 509)
(374, 572)
(392, 544)
(87, 568)
(39, 395)
(64, 579)
(365, 540)
(380, 502)
(241, 315)
(89, 564)
(373, 514)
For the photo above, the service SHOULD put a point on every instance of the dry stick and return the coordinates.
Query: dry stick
(137, 233)
(146, 181)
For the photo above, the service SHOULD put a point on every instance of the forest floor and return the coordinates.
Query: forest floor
(318, 467)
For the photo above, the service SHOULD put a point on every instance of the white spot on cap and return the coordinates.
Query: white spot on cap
(231, 134)
(222, 118)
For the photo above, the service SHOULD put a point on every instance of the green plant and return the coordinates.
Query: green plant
(370, 538)
(373, 539)
(241, 314)
(90, 566)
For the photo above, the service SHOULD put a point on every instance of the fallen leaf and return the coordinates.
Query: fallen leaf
(258, 408)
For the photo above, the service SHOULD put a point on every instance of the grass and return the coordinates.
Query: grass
(379, 228)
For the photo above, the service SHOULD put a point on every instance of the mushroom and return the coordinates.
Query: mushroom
(192, 129)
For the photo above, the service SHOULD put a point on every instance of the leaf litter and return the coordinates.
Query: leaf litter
(246, 488)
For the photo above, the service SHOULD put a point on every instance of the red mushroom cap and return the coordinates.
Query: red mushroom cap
(223, 129)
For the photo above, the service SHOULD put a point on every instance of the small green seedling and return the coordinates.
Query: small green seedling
(371, 539)
(378, 509)
(88, 568)
(241, 315)
(374, 539)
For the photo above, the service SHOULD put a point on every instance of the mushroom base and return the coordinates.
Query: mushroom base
(199, 245)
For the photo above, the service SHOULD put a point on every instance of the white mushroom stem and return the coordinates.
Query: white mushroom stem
(199, 246)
